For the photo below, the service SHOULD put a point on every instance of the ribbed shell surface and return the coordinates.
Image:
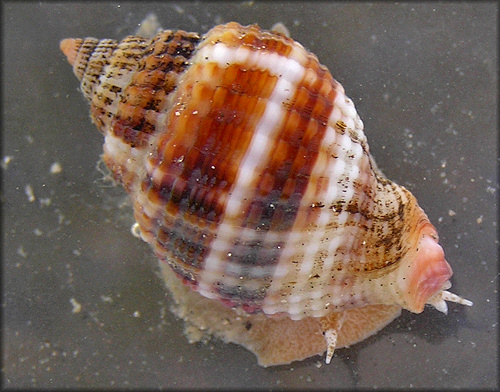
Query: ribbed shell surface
(248, 168)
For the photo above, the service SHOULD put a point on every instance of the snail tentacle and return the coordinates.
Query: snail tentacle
(331, 326)
(439, 300)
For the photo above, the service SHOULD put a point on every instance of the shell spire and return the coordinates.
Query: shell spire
(70, 47)
(252, 179)
(129, 85)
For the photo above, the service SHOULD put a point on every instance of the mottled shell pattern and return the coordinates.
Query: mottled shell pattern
(251, 176)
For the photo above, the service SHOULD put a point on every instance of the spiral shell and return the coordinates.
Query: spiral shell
(251, 177)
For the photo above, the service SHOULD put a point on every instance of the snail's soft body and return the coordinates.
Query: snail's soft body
(251, 177)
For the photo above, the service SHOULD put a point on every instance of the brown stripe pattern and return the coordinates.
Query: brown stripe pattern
(248, 168)
(195, 161)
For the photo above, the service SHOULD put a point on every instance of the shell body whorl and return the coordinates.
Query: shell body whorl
(251, 176)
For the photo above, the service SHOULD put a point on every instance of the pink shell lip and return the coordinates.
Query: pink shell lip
(429, 271)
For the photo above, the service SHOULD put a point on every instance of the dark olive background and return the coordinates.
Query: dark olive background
(424, 80)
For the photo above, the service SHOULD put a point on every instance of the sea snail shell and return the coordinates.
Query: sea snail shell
(251, 177)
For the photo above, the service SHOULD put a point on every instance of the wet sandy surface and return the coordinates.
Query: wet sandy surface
(83, 303)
